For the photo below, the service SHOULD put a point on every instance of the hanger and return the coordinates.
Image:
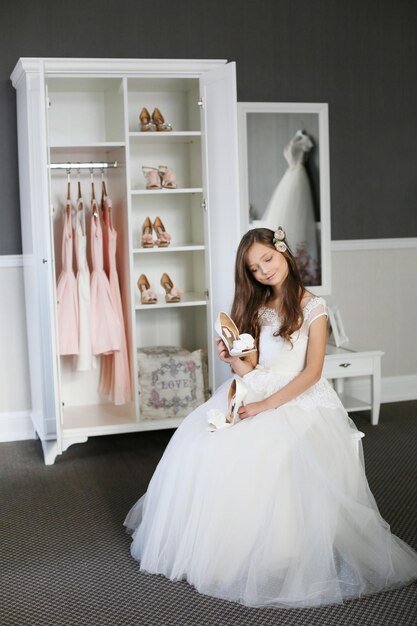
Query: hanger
(80, 195)
(68, 205)
(93, 194)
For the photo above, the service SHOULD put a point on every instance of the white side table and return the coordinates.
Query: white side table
(346, 362)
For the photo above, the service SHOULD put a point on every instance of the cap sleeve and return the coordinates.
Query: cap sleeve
(315, 308)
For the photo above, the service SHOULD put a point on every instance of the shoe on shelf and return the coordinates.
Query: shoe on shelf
(147, 296)
(172, 294)
(235, 398)
(146, 122)
(163, 239)
(236, 344)
(147, 239)
(152, 177)
(159, 121)
(167, 177)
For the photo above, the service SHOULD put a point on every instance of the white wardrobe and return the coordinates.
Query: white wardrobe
(73, 111)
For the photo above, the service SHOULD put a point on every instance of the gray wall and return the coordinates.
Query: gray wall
(359, 56)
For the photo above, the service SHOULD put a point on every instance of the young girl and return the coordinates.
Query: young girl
(275, 510)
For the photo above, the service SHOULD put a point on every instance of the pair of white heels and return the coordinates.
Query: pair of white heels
(235, 398)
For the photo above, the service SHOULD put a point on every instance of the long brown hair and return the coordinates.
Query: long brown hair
(250, 295)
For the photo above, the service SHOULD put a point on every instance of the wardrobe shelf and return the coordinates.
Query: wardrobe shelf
(186, 136)
(154, 192)
(184, 247)
(159, 424)
(188, 299)
(100, 419)
(87, 146)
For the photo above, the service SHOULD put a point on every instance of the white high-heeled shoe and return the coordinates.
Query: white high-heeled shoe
(236, 344)
(235, 398)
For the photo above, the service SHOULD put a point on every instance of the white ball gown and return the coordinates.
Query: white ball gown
(275, 510)
(291, 203)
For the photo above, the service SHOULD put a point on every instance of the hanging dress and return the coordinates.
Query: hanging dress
(85, 360)
(66, 294)
(115, 379)
(291, 204)
(105, 325)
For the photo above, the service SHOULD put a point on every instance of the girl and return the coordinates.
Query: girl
(275, 510)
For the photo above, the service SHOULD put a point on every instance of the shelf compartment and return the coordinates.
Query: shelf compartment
(182, 215)
(85, 110)
(177, 99)
(154, 192)
(173, 325)
(183, 158)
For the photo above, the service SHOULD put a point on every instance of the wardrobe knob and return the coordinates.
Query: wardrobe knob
(344, 364)
(44, 261)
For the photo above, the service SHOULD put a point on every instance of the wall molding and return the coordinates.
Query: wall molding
(11, 260)
(16, 426)
(393, 388)
(343, 245)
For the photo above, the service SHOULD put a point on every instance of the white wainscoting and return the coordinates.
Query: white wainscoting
(374, 283)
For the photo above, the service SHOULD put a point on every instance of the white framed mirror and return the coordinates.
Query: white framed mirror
(285, 180)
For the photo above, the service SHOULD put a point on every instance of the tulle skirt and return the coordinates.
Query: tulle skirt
(275, 510)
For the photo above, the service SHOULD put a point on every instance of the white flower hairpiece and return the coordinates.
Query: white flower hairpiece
(278, 240)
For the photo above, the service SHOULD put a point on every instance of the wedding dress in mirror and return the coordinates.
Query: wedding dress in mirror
(275, 510)
(292, 202)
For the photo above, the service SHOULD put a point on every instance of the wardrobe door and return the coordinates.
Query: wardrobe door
(220, 177)
(37, 253)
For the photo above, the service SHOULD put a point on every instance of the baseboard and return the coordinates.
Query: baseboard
(16, 426)
(393, 388)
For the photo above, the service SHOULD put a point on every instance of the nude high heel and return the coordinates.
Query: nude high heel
(147, 296)
(236, 344)
(146, 122)
(163, 239)
(167, 177)
(147, 239)
(159, 121)
(152, 176)
(172, 294)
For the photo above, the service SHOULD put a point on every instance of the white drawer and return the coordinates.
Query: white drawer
(336, 366)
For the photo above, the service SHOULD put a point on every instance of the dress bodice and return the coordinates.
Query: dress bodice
(277, 354)
(295, 151)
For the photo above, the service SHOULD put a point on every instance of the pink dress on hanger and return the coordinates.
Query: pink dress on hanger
(85, 360)
(115, 377)
(66, 293)
(105, 325)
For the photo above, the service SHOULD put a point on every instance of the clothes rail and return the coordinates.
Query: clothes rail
(96, 165)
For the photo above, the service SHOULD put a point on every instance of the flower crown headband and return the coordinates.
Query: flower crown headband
(278, 240)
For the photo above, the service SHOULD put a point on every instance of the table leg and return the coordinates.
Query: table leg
(376, 391)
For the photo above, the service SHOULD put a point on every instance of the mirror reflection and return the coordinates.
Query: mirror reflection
(286, 163)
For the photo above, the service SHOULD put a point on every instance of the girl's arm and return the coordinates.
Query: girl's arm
(309, 376)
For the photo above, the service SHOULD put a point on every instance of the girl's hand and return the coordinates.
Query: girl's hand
(251, 409)
(223, 353)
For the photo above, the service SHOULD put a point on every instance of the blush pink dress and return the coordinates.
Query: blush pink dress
(106, 336)
(115, 379)
(67, 294)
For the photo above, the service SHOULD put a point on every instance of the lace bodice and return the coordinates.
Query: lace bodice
(279, 362)
(295, 151)
(278, 354)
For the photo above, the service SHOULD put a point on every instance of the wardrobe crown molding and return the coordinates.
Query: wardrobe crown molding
(107, 67)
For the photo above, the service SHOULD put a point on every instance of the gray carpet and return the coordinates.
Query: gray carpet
(65, 557)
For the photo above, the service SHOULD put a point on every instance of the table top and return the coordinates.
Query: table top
(348, 349)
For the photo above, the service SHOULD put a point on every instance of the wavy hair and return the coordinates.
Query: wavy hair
(251, 295)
